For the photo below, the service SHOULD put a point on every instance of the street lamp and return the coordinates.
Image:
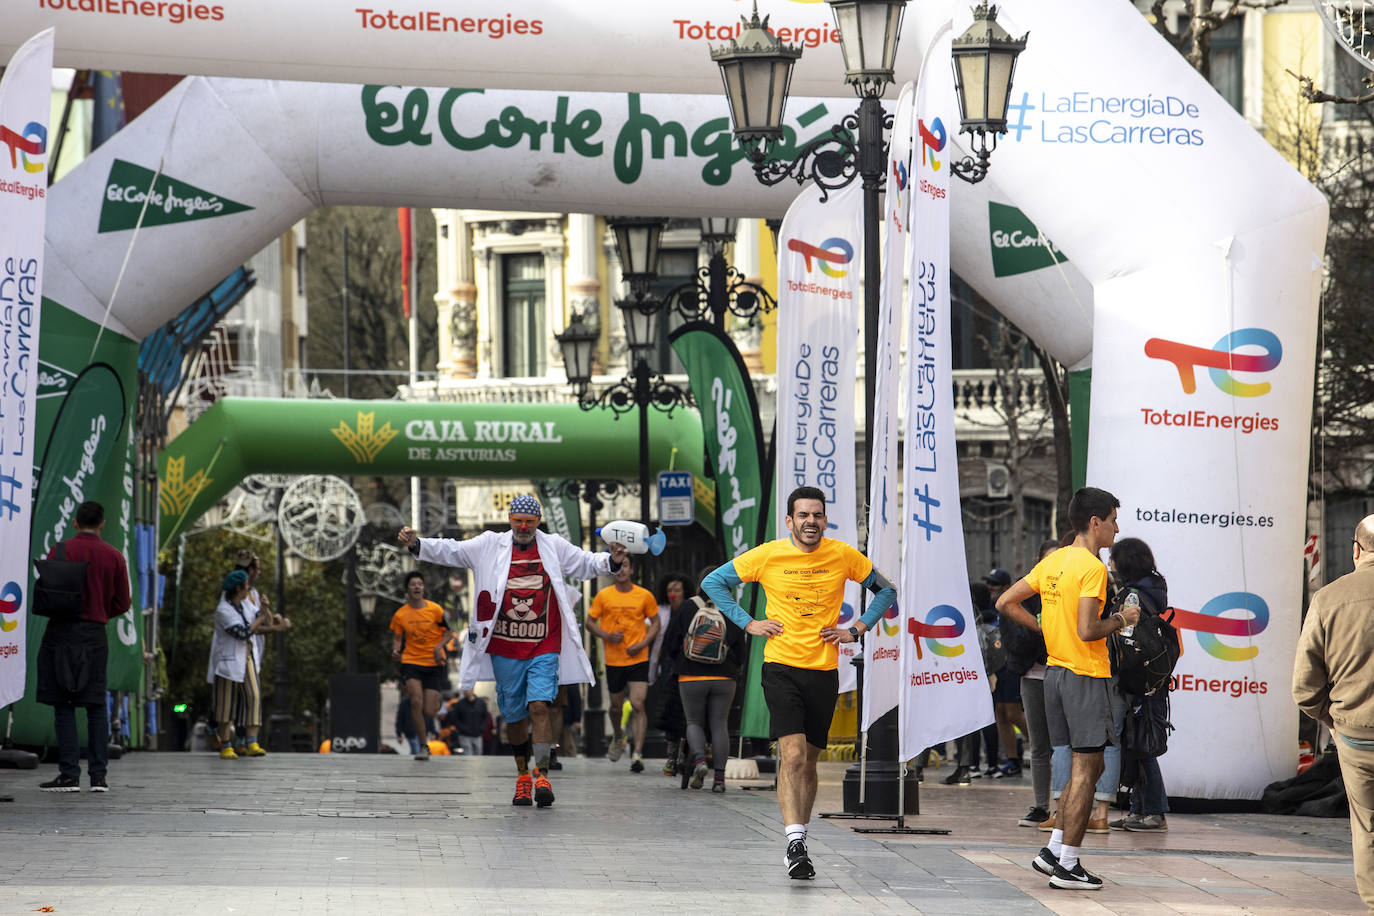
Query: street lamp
(756, 71)
(637, 242)
(718, 287)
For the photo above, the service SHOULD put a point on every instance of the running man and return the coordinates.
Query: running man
(625, 617)
(803, 579)
(420, 632)
(523, 634)
(1072, 585)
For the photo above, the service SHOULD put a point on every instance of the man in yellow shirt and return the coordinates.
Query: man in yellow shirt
(803, 579)
(1072, 585)
(625, 617)
(418, 634)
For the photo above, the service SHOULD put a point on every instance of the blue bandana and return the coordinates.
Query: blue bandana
(524, 504)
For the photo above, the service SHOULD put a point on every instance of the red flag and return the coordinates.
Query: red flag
(405, 221)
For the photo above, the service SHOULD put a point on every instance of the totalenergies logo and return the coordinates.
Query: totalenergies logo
(932, 141)
(1209, 624)
(11, 600)
(828, 254)
(1222, 360)
(893, 613)
(32, 141)
(936, 628)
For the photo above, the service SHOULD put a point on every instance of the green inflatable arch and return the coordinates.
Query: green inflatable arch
(238, 437)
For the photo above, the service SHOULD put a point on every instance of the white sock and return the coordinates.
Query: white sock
(1056, 842)
(1068, 857)
(795, 832)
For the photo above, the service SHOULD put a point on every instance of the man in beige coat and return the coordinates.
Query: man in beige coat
(1334, 684)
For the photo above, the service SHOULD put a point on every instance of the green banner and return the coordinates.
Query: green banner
(241, 436)
(85, 443)
(563, 514)
(734, 442)
(168, 200)
(1017, 246)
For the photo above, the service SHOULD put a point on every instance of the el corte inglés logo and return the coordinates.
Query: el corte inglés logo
(168, 200)
(1017, 245)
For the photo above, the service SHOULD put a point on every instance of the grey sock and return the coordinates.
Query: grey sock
(541, 755)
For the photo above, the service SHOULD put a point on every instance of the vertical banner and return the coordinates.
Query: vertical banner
(25, 92)
(562, 513)
(944, 688)
(818, 348)
(882, 644)
(1207, 375)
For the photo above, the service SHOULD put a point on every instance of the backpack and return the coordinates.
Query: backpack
(1145, 660)
(704, 641)
(994, 652)
(58, 590)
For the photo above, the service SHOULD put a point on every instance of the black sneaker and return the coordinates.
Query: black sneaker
(1034, 818)
(1008, 770)
(61, 784)
(1045, 861)
(960, 777)
(98, 784)
(797, 861)
(1075, 879)
(636, 765)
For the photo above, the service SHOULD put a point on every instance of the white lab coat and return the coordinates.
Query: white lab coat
(228, 654)
(488, 556)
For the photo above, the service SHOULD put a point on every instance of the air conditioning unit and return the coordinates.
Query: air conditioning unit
(999, 481)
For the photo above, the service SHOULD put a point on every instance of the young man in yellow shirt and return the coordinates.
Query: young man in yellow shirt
(625, 617)
(1072, 585)
(803, 579)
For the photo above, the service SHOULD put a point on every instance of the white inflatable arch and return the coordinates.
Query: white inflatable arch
(1193, 250)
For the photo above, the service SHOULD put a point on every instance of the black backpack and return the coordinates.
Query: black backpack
(994, 653)
(61, 583)
(1144, 661)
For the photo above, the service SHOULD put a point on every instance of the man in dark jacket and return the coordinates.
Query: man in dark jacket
(72, 656)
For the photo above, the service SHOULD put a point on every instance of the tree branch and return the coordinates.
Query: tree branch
(1308, 90)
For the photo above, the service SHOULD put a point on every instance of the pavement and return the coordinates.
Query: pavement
(366, 834)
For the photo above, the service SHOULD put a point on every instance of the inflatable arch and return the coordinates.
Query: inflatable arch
(1193, 250)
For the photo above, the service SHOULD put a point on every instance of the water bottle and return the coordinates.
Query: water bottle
(634, 536)
(1132, 601)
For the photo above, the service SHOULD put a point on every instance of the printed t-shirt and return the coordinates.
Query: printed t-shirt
(628, 613)
(805, 592)
(422, 628)
(529, 623)
(1063, 577)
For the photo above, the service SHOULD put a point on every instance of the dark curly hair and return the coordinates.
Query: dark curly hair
(689, 586)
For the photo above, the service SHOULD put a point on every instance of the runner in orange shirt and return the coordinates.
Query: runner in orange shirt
(418, 644)
(625, 617)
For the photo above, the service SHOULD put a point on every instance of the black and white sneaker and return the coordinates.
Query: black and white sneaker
(1076, 879)
(1034, 817)
(98, 784)
(797, 861)
(1045, 861)
(61, 784)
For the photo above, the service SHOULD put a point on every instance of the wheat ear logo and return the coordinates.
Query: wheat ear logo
(177, 490)
(365, 443)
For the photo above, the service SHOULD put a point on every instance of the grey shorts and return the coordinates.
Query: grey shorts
(1078, 710)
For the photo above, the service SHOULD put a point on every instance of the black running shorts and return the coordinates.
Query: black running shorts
(800, 701)
(618, 677)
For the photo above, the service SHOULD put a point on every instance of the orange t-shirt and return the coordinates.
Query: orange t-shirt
(422, 628)
(628, 613)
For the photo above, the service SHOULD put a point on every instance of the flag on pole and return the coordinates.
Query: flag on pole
(945, 691)
(405, 220)
(818, 350)
(882, 644)
(25, 91)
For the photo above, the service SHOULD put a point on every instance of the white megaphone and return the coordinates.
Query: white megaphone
(634, 536)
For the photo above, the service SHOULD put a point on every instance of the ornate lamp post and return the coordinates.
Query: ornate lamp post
(637, 241)
(719, 288)
(756, 69)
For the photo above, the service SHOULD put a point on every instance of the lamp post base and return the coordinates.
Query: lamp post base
(594, 732)
(279, 733)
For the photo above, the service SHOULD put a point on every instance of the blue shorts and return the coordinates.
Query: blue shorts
(522, 681)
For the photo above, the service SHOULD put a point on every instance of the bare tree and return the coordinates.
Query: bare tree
(1192, 37)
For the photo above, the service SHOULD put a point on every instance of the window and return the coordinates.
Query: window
(676, 266)
(1228, 78)
(988, 535)
(522, 315)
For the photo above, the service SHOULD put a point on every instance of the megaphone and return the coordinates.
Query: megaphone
(634, 536)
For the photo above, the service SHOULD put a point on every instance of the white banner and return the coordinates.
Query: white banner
(882, 644)
(945, 690)
(25, 92)
(819, 264)
(534, 44)
(1192, 429)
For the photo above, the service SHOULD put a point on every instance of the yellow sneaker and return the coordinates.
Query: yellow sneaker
(254, 750)
(227, 753)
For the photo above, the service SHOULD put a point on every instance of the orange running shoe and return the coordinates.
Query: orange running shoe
(543, 792)
(523, 786)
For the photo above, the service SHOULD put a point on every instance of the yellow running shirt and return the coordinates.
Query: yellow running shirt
(804, 592)
(1061, 579)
